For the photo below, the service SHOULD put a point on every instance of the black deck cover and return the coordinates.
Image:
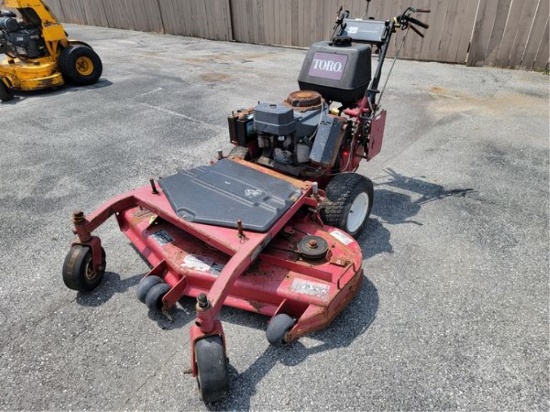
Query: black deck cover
(225, 192)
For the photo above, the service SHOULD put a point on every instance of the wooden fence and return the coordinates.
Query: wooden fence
(503, 33)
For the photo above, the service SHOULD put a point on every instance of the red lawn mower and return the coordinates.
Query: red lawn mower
(269, 228)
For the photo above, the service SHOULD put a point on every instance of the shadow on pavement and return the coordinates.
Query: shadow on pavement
(393, 207)
(339, 334)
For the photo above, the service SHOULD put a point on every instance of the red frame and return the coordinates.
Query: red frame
(258, 272)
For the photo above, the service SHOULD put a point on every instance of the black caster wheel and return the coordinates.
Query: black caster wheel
(145, 285)
(154, 296)
(277, 329)
(6, 93)
(78, 271)
(212, 375)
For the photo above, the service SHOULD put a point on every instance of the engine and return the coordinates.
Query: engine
(291, 136)
(300, 136)
(19, 39)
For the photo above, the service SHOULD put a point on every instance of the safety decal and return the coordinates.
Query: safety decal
(310, 288)
(252, 193)
(202, 264)
(341, 236)
(162, 237)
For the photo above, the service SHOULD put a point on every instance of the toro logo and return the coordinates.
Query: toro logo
(328, 65)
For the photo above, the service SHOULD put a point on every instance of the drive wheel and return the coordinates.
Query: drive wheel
(78, 271)
(6, 93)
(80, 65)
(154, 296)
(277, 329)
(212, 376)
(350, 198)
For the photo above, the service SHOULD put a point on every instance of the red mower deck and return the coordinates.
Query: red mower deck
(299, 267)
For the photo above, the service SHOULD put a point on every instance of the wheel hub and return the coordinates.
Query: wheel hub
(358, 212)
(84, 66)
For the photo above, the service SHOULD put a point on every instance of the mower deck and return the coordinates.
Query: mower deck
(259, 271)
(36, 74)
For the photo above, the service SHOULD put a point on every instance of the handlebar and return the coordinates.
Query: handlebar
(418, 22)
(406, 21)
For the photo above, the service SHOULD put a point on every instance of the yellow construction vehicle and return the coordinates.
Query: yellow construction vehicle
(39, 53)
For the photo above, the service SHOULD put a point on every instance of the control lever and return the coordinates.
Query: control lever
(415, 30)
(418, 22)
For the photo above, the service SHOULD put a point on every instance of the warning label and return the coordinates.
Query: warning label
(342, 237)
(310, 288)
(162, 237)
(202, 264)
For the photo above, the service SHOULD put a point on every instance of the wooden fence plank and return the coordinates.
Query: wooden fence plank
(510, 32)
(484, 23)
(525, 24)
(535, 35)
(541, 61)
(55, 7)
(465, 31)
(140, 15)
(499, 25)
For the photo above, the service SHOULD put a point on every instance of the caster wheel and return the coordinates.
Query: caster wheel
(78, 271)
(145, 285)
(277, 329)
(212, 376)
(154, 296)
(6, 93)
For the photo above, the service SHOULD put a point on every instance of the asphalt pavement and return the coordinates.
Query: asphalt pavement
(453, 311)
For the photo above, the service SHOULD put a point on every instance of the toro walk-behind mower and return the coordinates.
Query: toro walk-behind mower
(39, 54)
(269, 228)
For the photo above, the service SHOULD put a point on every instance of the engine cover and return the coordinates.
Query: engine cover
(275, 119)
(338, 73)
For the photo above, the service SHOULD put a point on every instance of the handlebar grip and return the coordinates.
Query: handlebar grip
(418, 22)
(423, 11)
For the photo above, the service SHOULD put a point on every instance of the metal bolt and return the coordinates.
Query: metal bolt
(240, 229)
(202, 301)
(78, 216)
(312, 244)
(153, 186)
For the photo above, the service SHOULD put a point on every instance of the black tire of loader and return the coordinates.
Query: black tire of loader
(67, 65)
(6, 93)
(341, 192)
